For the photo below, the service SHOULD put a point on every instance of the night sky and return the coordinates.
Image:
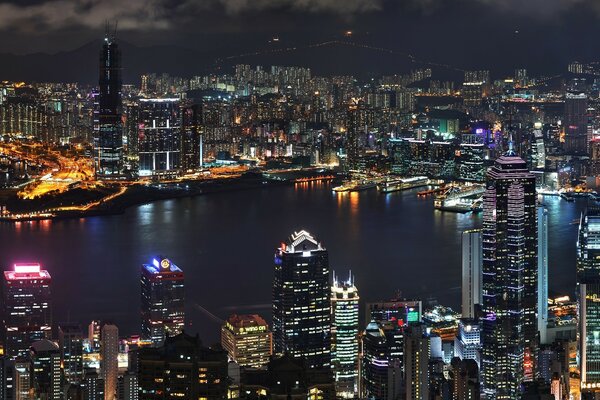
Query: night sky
(541, 35)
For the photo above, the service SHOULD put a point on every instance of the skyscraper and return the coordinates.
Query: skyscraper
(109, 363)
(46, 370)
(417, 352)
(27, 316)
(301, 305)
(248, 340)
(577, 134)
(542, 264)
(588, 281)
(471, 272)
(159, 138)
(191, 155)
(344, 337)
(108, 141)
(509, 276)
(70, 341)
(163, 300)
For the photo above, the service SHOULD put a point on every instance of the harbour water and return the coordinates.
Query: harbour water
(225, 242)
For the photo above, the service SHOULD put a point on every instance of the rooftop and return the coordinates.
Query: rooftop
(160, 264)
(26, 271)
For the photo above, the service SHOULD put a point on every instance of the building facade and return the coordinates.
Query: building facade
(248, 340)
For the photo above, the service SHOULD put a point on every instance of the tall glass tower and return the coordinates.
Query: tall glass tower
(509, 276)
(344, 337)
(108, 139)
(301, 304)
(162, 301)
(588, 281)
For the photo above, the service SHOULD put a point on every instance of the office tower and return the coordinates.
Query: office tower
(46, 370)
(538, 149)
(465, 380)
(344, 336)
(353, 135)
(191, 156)
(301, 306)
(467, 344)
(248, 340)
(182, 368)
(131, 117)
(7, 374)
(471, 272)
(474, 87)
(70, 341)
(27, 316)
(509, 321)
(108, 151)
(416, 362)
(576, 123)
(93, 385)
(159, 137)
(109, 364)
(588, 280)
(399, 311)
(382, 360)
(163, 300)
(127, 387)
(22, 379)
(575, 67)
(542, 265)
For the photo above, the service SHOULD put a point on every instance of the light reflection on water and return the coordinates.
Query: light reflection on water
(225, 243)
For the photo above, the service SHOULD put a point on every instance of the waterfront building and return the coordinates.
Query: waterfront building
(577, 130)
(248, 340)
(162, 300)
(344, 336)
(70, 341)
(588, 281)
(510, 275)
(471, 162)
(182, 368)
(46, 370)
(109, 363)
(542, 264)
(108, 138)
(471, 272)
(301, 300)
(191, 137)
(159, 137)
(27, 316)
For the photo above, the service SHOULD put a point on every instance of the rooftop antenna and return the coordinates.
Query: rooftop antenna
(511, 150)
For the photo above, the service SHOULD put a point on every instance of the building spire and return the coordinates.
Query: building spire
(511, 150)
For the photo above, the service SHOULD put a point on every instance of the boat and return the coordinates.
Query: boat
(364, 185)
(394, 185)
(342, 188)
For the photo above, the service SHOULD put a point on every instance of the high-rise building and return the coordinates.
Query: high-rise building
(382, 348)
(471, 272)
(127, 387)
(248, 340)
(354, 129)
(542, 265)
(182, 368)
(22, 379)
(191, 132)
(159, 139)
(109, 359)
(417, 353)
(510, 281)
(465, 380)
(93, 385)
(27, 316)
(577, 132)
(344, 337)
(94, 335)
(70, 341)
(108, 140)
(46, 370)
(588, 281)
(301, 305)
(467, 344)
(162, 302)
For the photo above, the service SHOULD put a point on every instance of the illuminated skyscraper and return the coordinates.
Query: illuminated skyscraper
(27, 316)
(354, 129)
(509, 276)
(588, 280)
(108, 141)
(109, 362)
(46, 370)
(301, 300)
(163, 305)
(248, 340)
(577, 132)
(417, 351)
(471, 272)
(191, 137)
(344, 337)
(542, 264)
(70, 341)
(159, 139)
